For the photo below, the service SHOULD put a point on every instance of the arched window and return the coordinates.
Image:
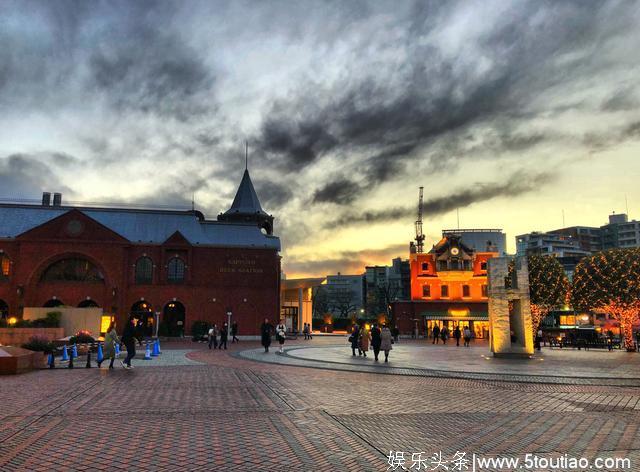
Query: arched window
(54, 302)
(144, 270)
(5, 267)
(88, 304)
(175, 270)
(72, 270)
(4, 310)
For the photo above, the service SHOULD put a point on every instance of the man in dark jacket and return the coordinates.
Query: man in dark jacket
(436, 334)
(457, 334)
(128, 338)
(376, 341)
(234, 332)
(265, 334)
(224, 332)
(354, 338)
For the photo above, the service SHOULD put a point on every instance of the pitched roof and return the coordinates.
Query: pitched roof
(246, 200)
(142, 226)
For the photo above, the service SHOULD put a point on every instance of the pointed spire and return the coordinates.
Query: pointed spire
(246, 200)
(246, 155)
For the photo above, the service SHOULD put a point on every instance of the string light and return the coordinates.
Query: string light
(610, 281)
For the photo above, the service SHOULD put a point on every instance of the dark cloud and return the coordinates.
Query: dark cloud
(272, 194)
(25, 176)
(342, 191)
(516, 185)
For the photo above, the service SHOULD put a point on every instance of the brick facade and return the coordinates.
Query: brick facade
(243, 280)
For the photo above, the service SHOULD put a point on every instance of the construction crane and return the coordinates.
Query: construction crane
(419, 235)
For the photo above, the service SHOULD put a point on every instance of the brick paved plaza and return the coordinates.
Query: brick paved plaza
(194, 409)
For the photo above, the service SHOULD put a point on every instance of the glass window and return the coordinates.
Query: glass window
(425, 266)
(5, 266)
(442, 265)
(466, 291)
(444, 291)
(426, 291)
(175, 270)
(72, 270)
(483, 265)
(485, 291)
(144, 270)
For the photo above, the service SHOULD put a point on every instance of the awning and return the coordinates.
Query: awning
(446, 316)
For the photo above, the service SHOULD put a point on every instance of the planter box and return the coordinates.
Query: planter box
(15, 360)
(19, 336)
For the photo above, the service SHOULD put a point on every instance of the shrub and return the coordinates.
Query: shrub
(199, 329)
(81, 337)
(39, 344)
(23, 324)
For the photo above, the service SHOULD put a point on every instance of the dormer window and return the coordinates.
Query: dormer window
(425, 266)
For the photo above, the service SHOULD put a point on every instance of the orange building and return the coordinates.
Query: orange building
(448, 288)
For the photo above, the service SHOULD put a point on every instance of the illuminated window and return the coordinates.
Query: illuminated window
(144, 271)
(72, 270)
(175, 270)
(5, 266)
(568, 320)
(426, 291)
(466, 291)
(444, 291)
(485, 291)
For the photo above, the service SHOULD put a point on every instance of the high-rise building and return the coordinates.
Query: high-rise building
(386, 284)
(620, 232)
(344, 294)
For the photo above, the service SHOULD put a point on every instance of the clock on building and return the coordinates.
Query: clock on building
(455, 251)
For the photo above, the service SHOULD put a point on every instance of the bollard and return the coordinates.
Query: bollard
(147, 353)
(71, 363)
(156, 349)
(100, 354)
(88, 365)
(74, 351)
(51, 361)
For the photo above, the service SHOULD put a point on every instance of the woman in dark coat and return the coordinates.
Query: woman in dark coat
(265, 333)
(129, 340)
(355, 336)
(376, 340)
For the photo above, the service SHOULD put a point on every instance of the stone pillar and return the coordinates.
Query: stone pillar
(510, 328)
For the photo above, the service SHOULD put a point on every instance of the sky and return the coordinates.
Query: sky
(510, 114)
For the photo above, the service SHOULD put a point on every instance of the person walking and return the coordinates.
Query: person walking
(281, 334)
(234, 332)
(467, 336)
(224, 333)
(265, 334)
(305, 331)
(444, 334)
(354, 339)
(129, 340)
(436, 334)
(110, 340)
(395, 333)
(213, 336)
(375, 341)
(310, 331)
(365, 338)
(457, 334)
(386, 341)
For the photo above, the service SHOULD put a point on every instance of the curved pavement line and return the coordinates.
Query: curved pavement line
(257, 355)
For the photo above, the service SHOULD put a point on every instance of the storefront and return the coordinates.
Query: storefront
(479, 325)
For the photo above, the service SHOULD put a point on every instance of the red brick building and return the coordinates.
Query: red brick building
(171, 267)
(448, 288)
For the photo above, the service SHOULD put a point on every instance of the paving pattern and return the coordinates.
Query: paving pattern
(220, 411)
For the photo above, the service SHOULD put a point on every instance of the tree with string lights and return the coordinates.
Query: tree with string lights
(548, 287)
(610, 281)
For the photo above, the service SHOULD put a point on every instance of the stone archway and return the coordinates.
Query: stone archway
(174, 317)
(89, 303)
